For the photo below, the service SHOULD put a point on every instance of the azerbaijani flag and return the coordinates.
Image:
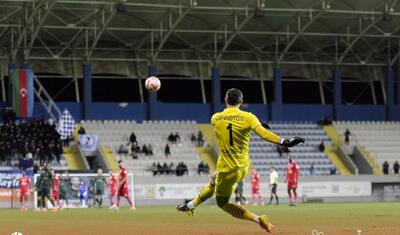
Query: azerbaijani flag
(22, 91)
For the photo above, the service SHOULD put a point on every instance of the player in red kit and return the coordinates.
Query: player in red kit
(112, 188)
(56, 190)
(255, 187)
(292, 179)
(24, 185)
(123, 186)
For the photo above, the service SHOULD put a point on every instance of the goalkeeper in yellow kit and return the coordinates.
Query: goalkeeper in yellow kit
(233, 128)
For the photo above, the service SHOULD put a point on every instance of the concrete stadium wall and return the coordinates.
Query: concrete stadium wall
(202, 112)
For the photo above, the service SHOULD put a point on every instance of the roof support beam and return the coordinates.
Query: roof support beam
(10, 14)
(170, 31)
(301, 31)
(207, 61)
(210, 31)
(100, 33)
(22, 33)
(360, 35)
(36, 31)
(255, 48)
(396, 57)
(391, 63)
(236, 31)
(192, 46)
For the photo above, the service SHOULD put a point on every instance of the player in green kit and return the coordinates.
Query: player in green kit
(99, 187)
(65, 185)
(43, 187)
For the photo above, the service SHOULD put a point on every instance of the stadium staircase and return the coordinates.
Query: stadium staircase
(73, 159)
(110, 159)
(113, 133)
(74, 154)
(264, 155)
(332, 152)
(208, 153)
(378, 141)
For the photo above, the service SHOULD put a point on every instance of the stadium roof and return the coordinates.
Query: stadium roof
(326, 32)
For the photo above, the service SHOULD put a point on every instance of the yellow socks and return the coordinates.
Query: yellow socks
(204, 194)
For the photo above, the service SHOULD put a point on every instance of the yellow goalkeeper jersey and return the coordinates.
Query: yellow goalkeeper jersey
(233, 128)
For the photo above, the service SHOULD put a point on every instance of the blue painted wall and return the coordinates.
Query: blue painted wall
(305, 112)
(260, 110)
(202, 112)
(363, 112)
(181, 111)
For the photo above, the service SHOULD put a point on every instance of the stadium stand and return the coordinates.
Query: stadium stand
(382, 144)
(264, 155)
(114, 133)
(24, 144)
(381, 139)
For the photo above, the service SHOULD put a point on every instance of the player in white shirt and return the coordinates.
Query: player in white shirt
(273, 184)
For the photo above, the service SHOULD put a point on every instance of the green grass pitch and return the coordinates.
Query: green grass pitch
(324, 219)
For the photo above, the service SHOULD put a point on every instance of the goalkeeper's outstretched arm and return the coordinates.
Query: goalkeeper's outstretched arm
(276, 139)
(268, 135)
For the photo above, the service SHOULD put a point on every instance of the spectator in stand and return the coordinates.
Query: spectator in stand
(150, 150)
(181, 169)
(178, 170)
(145, 150)
(200, 168)
(321, 147)
(59, 151)
(279, 149)
(333, 170)
(159, 168)
(396, 167)
(167, 151)
(347, 134)
(171, 168)
(123, 150)
(26, 137)
(385, 168)
(200, 139)
(165, 168)
(171, 138)
(193, 139)
(42, 155)
(81, 131)
(135, 148)
(312, 169)
(132, 138)
(154, 169)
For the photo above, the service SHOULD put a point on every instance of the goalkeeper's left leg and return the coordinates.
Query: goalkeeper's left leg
(205, 193)
(241, 213)
(225, 184)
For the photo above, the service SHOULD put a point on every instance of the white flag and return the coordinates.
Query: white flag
(66, 125)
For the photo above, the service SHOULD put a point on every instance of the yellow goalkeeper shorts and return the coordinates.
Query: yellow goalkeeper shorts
(226, 182)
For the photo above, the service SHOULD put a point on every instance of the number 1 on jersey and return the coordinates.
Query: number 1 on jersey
(229, 127)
